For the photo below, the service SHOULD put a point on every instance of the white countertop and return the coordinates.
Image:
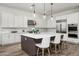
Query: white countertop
(50, 34)
(40, 35)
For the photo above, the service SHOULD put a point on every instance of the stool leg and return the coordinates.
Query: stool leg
(55, 48)
(42, 52)
(37, 51)
(62, 46)
(48, 51)
(59, 48)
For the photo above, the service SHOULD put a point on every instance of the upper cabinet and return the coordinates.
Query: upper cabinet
(7, 19)
(16, 18)
(13, 20)
(73, 18)
(19, 21)
(61, 17)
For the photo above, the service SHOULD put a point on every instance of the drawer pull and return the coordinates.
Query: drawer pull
(25, 38)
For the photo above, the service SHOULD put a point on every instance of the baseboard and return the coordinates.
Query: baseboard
(10, 44)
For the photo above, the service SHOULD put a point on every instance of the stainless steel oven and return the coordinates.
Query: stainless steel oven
(73, 30)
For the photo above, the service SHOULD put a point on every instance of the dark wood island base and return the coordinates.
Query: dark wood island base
(28, 45)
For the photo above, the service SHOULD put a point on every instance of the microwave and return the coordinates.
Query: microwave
(31, 22)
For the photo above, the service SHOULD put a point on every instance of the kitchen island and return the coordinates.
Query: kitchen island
(28, 41)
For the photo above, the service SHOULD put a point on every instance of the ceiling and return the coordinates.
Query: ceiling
(57, 7)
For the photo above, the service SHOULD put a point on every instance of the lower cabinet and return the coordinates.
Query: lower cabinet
(10, 38)
(5, 38)
(15, 38)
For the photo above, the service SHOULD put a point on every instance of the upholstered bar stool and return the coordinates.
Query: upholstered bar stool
(44, 45)
(63, 39)
(56, 42)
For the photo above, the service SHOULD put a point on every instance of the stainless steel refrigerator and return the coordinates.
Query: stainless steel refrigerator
(61, 27)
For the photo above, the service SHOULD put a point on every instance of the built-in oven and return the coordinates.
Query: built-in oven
(73, 30)
(72, 27)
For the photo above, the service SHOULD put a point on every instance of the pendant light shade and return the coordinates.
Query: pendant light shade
(34, 14)
(34, 10)
(44, 15)
(52, 18)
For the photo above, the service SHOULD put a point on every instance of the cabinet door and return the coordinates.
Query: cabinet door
(16, 22)
(7, 19)
(72, 18)
(17, 38)
(4, 19)
(61, 17)
(25, 21)
(19, 21)
(11, 20)
(11, 40)
(5, 38)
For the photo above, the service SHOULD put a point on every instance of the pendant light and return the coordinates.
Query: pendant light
(44, 15)
(51, 11)
(34, 10)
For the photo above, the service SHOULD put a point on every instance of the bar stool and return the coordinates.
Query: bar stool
(63, 39)
(44, 45)
(56, 42)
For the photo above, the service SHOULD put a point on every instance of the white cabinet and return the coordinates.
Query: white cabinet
(19, 21)
(7, 19)
(17, 38)
(13, 20)
(16, 22)
(73, 18)
(14, 38)
(9, 38)
(61, 17)
(5, 38)
(25, 22)
(4, 20)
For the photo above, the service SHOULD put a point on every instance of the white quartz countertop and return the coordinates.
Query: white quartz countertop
(40, 35)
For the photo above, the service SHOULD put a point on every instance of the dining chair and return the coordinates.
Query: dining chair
(44, 45)
(56, 42)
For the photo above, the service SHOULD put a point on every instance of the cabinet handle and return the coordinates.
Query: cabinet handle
(25, 38)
